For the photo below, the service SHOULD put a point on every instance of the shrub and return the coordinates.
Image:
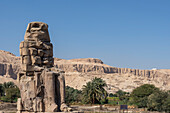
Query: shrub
(11, 92)
(72, 95)
(139, 96)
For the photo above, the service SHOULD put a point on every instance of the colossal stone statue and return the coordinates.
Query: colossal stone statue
(42, 85)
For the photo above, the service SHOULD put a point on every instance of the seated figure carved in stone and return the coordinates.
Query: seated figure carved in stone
(41, 84)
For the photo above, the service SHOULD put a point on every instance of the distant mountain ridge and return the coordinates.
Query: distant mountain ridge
(80, 71)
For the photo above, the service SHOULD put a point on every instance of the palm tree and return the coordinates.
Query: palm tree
(7, 85)
(88, 93)
(11, 92)
(94, 91)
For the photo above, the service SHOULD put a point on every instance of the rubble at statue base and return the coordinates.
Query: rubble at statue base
(42, 85)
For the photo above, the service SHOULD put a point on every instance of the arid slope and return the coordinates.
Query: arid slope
(80, 71)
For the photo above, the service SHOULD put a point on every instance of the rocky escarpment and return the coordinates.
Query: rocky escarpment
(6, 69)
(9, 64)
(87, 60)
(80, 71)
(92, 65)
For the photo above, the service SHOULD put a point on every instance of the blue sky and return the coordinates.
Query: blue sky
(122, 33)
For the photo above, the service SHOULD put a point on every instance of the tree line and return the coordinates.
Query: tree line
(145, 96)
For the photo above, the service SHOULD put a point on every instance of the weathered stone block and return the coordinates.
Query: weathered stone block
(27, 60)
(21, 44)
(33, 51)
(48, 53)
(40, 52)
(28, 44)
(32, 44)
(19, 104)
(36, 60)
(25, 51)
(27, 68)
(39, 44)
(37, 104)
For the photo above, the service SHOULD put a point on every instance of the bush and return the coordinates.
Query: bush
(166, 104)
(111, 102)
(159, 101)
(139, 96)
(72, 95)
(112, 95)
(123, 96)
(11, 92)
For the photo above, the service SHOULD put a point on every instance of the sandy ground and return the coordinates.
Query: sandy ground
(12, 108)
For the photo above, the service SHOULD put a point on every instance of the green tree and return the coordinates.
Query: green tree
(2, 92)
(7, 85)
(156, 101)
(11, 92)
(112, 95)
(94, 92)
(122, 94)
(72, 95)
(88, 93)
(122, 97)
(159, 101)
(139, 96)
(166, 104)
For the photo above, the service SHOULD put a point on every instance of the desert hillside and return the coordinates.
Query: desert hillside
(9, 64)
(80, 71)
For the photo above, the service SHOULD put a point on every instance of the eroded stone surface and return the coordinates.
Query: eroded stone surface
(42, 86)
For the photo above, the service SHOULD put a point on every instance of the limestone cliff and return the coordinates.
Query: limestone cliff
(96, 66)
(9, 64)
(80, 71)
